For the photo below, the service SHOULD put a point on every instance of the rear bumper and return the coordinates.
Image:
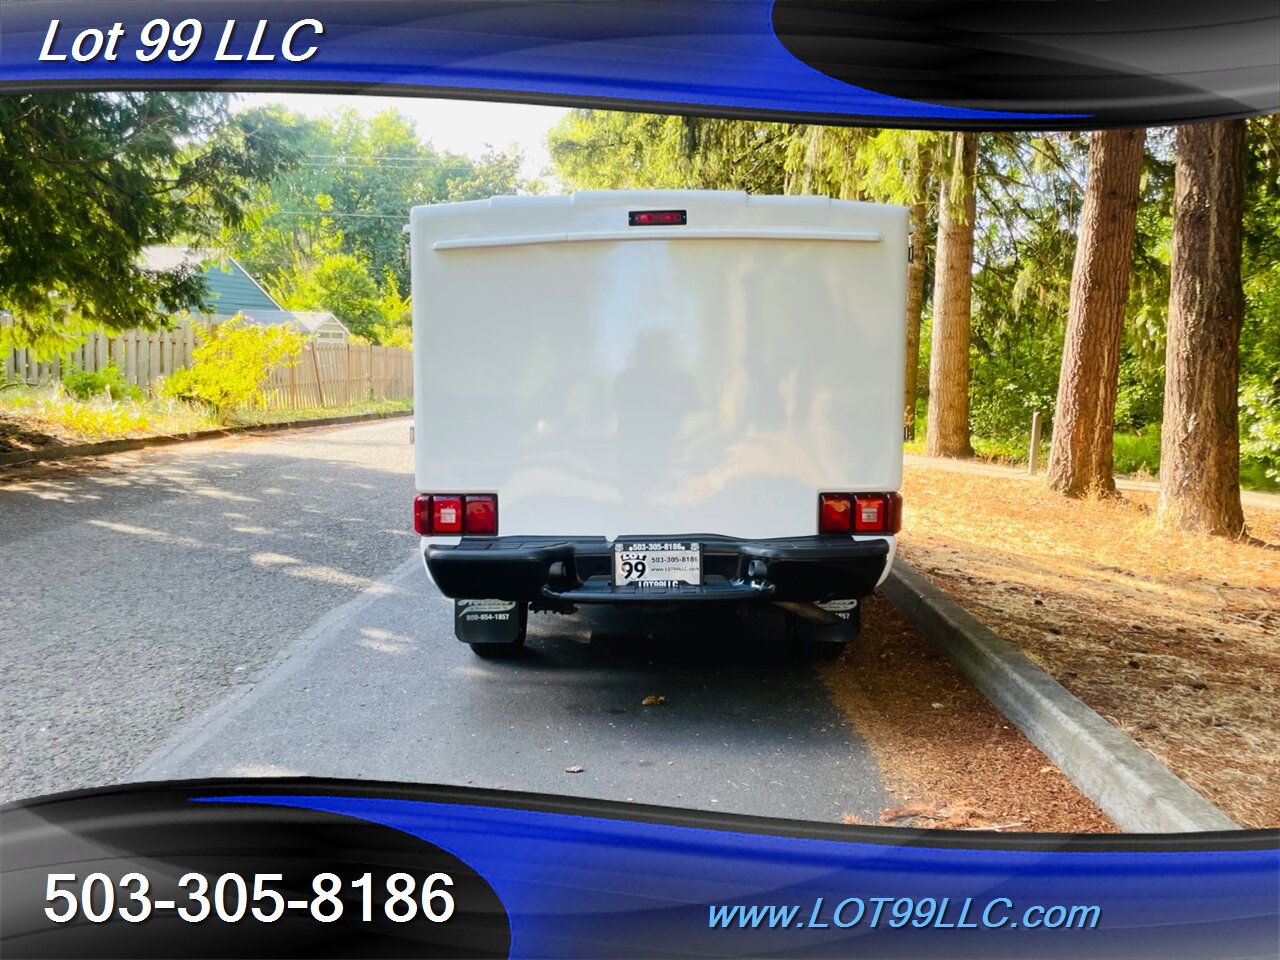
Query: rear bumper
(580, 569)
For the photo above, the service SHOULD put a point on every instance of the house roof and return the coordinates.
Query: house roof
(230, 288)
(305, 320)
(232, 291)
(313, 320)
(264, 318)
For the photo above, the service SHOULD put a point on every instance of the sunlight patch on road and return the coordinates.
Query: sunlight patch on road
(213, 493)
(271, 559)
(385, 641)
(330, 575)
(317, 573)
(146, 533)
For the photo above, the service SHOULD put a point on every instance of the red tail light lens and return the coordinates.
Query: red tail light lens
(446, 514)
(482, 515)
(893, 512)
(835, 513)
(422, 515)
(452, 514)
(860, 513)
(869, 513)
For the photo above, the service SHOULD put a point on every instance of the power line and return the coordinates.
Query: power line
(342, 216)
(435, 168)
(361, 156)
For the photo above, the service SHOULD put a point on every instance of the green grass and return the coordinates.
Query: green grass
(250, 417)
(1253, 476)
(31, 417)
(1136, 455)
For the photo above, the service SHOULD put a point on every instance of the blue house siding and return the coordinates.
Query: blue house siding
(231, 291)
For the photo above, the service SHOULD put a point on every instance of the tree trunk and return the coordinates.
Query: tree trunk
(915, 305)
(1200, 439)
(948, 429)
(1080, 458)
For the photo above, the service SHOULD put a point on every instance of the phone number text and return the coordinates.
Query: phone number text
(231, 897)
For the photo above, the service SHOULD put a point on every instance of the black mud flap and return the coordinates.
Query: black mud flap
(490, 621)
(848, 623)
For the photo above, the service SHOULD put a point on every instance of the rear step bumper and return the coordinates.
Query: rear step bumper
(580, 569)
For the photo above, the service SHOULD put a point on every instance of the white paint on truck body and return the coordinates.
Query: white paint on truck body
(609, 380)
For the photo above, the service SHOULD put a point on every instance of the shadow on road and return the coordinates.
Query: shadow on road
(728, 640)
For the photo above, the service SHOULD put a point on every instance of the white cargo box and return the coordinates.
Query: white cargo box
(609, 377)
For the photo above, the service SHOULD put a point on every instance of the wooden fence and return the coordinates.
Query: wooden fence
(326, 375)
(337, 374)
(142, 356)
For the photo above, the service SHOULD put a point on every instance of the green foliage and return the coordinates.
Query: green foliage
(1260, 339)
(606, 150)
(328, 234)
(352, 189)
(1140, 392)
(340, 284)
(302, 414)
(1005, 390)
(395, 328)
(88, 179)
(1137, 452)
(232, 365)
(46, 336)
(108, 381)
(494, 174)
(48, 410)
(1260, 420)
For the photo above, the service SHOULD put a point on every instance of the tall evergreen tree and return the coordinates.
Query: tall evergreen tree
(948, 430)
(1200, 439)
(88, 179)
(1080, 458)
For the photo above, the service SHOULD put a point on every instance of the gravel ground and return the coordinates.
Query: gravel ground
(141, 589)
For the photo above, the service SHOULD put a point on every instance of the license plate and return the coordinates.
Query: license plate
(658, 563)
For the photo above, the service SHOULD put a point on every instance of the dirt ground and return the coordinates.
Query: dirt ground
(16, 436)
(1173, 638)
(952, 760)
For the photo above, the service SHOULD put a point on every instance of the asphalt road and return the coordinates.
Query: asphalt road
(255, 606)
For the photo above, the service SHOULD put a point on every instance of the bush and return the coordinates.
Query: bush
(1137, 452)
(108, 381)
(1006, 389)
(232, 365)
(1260, 429)
(1139, 395)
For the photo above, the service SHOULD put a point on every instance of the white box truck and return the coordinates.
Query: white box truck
(657, 398)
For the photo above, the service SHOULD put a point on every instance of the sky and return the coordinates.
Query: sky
(463, 126)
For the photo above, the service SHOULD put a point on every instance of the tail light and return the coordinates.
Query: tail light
(481, 518)
(859, 512)
(658, 218)
(452, 514)
(835, 513)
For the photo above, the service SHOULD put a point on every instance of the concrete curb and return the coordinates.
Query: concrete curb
(1127, 782)
(142, 443)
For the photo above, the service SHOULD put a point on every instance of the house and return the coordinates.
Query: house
(231, 291)
(322, 325)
